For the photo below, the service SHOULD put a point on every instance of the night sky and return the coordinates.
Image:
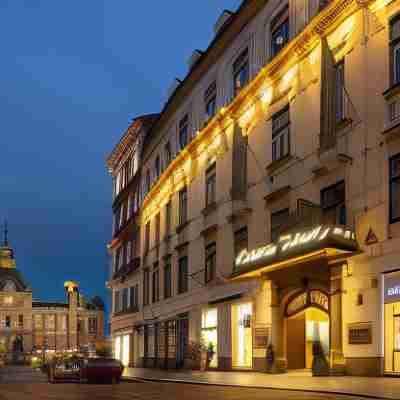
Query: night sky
(72, 76)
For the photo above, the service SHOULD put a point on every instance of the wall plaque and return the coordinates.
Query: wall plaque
(360, 333)
(261, 336)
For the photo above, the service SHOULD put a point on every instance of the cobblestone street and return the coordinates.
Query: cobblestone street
(151, 390)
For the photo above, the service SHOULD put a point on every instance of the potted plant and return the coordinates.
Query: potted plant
(210, 354)
(194, 355)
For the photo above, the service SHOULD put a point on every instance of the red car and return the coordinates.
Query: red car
(99, 370)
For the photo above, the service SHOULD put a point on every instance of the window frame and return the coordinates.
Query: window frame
(146, 286)
(210, 260)
(240, 65)
(183, 206)
(155, 284)
(340, 93)
(168, 279)
(280, 135)
(394, 44)
(237, 239)
(281, 20)
(277, 213)
(210, 98)
(393, 180)
(183, 128)
(183, 280)
(338, 205)
(211, 177)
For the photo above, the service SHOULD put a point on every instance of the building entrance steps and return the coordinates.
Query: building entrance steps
(298, 380)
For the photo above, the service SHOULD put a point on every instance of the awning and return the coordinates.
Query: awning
(323, 241)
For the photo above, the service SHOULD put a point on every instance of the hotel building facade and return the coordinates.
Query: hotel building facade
(263, 213)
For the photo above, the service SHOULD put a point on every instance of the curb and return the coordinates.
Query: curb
(194, 382)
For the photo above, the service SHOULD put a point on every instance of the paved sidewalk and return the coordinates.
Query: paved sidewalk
(378, 388)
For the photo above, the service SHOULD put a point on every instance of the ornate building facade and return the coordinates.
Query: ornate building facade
(27, 325)
(269, 199)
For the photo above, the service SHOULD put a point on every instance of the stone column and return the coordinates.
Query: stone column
(336, 357)
(277, 333)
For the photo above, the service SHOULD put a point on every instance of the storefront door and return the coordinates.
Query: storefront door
(242, 336)
(183, 336)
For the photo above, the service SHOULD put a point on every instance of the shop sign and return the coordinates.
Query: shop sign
(308, 299)
(299, 243)
(360, 333)
(392, 290)
(261, 336)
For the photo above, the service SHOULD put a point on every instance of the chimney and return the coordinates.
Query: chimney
(222, 20)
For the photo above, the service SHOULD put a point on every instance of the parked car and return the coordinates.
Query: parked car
(100, 370)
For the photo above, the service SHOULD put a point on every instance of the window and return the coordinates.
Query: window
(168, 218)
(8, 321)
(117, 219)
(134, 297)
(156, 284)
(241, 71)
(183, 206)
(146, 287)
(339, 92)
(333, 204)
(125, 299)
(278, 220)
(281, 134)
(167, 154)
(395, 50)
(157, 167)
(279, 32)
(157, 229)
(210, 100)
(147, 237)
(168, 278)
(240, 240)
(92, 325)
(394, 166)
(183, 275)
(184, 132)
(118, 258)
(148, 182)
(211, 262)
(210, 185)
(117, 301)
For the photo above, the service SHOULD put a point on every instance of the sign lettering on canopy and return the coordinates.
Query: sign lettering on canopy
(297, 244)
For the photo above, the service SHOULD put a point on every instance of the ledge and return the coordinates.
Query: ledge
(344, 123)
(182, 226)
(209, 209)
(275, 165)
(391, 92)
(181, 246)
(209, 230)
(392, 133)
(239, 213)
(277, 194)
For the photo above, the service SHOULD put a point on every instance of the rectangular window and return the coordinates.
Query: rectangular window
(146, 287)
(183, 206)
(167, 154)
(168, 278)
(124, 299)
(157, 229)
(339, 92)
(92, 322)
(184, 132)
(211, 177)
(394, 167)
(333, 204)
(279, 32)
(157, 167)
(211, 262)
(8, 321)
(278, 220)
(395, 50)
(210, 100)
(241, 73)
(134, 298)
(20, 321)
(183, 275)
(240, 240)
(147, 237)
(156, 285)
(281, 134)
(168, 218)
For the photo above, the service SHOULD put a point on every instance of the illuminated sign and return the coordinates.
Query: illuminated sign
(306, 299)
(392, 290)
(297, 244)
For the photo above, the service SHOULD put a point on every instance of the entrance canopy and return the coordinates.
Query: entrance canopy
(323, 241)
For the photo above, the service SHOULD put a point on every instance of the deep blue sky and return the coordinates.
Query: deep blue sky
(72, 75)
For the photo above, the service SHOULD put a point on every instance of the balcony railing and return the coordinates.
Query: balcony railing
(127, 269)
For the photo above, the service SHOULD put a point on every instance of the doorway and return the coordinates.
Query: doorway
(242, 336)
(302, 330)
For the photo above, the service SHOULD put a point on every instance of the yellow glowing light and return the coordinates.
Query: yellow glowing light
(342, 33)
(288, 78)
(247, 116)
(313, 57)
(266, 95)
(8, 300)
(378, 5)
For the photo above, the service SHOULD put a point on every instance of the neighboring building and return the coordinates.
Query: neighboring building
(27, 325)
(270, 205)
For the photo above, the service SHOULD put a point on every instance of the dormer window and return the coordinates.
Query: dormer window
(241, 71)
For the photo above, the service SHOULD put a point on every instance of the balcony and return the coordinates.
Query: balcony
(127, 269)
